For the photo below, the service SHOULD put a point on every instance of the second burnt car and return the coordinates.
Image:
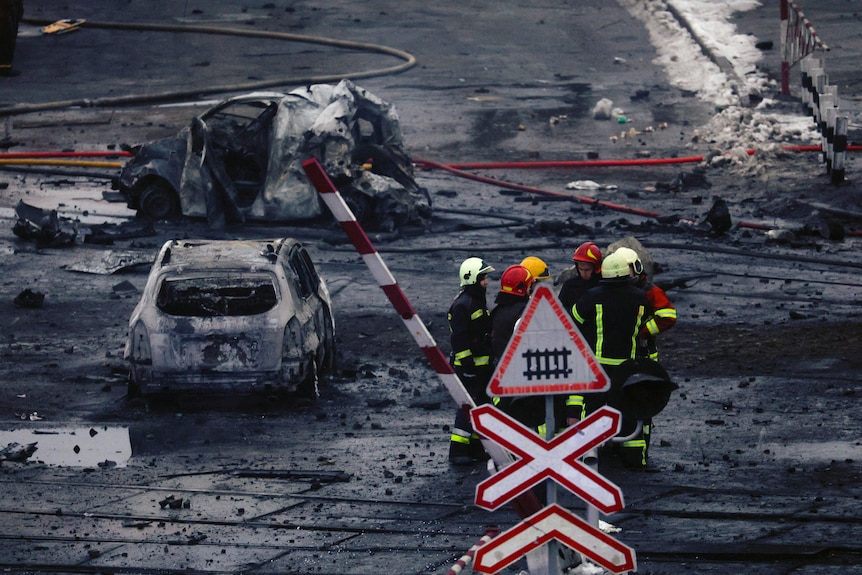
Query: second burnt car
(231, 315)
(241, 160)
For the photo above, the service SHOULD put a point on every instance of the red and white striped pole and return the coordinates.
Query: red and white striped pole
(386, 281)
(465, 560)
(526, 504)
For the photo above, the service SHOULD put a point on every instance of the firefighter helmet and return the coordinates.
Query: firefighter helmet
(615, 268)
(471, 269)
(516, 280)
(590, 253)
(537, 267)
(632, 258)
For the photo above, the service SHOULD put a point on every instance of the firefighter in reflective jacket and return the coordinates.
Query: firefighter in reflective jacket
(472, 354)
(610, 317)
(588, 265)
(663, 315)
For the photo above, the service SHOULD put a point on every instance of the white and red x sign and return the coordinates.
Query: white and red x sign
(540, 459)
(554, 522)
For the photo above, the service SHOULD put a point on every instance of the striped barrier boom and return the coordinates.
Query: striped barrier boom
(465, 560)
(528, 503)
(386, 281)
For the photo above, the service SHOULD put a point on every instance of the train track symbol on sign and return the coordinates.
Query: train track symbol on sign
(557, 459)
(546, 354)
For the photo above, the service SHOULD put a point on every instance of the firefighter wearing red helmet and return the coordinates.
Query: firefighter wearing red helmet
(516, 286)
(588, 264)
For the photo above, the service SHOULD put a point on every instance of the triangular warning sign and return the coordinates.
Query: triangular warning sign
(547, 354)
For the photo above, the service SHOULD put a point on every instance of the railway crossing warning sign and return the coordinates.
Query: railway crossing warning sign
(554, 522)
(557, 459)
(547, 354)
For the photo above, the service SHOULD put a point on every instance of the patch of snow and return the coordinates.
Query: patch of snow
(736, 127)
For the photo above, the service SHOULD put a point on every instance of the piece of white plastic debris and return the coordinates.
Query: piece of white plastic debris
(608, 528)
(589, 185)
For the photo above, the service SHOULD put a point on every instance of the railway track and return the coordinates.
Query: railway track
(259, 525)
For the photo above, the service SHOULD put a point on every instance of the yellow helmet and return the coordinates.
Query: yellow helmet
(537, 267)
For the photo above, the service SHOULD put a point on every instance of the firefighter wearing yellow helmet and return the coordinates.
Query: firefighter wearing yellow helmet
(537, 267)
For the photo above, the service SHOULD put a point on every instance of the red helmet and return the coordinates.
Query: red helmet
(588, 252)
(516, 280)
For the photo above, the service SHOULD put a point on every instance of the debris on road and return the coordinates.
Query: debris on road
(29, 299)
(17, 452)
(45, 227)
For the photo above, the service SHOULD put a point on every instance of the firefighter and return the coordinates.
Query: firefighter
(11, 12)
(588, 264)
(472, 354)
(516, 287)
(537, 267)
(610, 316)
(663, 315)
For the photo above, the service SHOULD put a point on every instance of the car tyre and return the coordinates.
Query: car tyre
(134, 393)
(329, 348)
(362, 207)
(309, 387)
(158, 201)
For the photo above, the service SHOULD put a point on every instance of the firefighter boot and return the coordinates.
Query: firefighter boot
(460, 453)
(634, 453)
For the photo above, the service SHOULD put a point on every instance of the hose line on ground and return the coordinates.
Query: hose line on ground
(428, 164)
(131, 100)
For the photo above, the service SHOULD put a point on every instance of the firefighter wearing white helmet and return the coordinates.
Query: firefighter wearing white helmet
(610, 316)
(472, 354)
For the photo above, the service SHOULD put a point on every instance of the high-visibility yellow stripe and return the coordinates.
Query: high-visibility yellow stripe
(463, 354)
(666, 312)
(576, 315)
(600, 331)
(459, 439)
(637, 329)
(477, 314)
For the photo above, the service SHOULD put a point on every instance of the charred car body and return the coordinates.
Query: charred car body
(242, 160)
(224, 314)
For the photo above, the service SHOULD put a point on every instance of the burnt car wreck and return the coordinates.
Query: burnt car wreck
(242, 161)
(231, 315)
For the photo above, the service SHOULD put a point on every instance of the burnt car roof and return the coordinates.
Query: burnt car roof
(213, 254)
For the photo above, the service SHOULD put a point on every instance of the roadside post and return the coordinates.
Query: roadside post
(547, 356)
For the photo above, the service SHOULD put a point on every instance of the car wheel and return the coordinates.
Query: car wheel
(362, 207)
(309, 387)
(133, 388)
(329, 350)
(158, 201)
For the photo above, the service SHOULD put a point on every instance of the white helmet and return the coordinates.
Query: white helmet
(615, 268)
(632, 258)
(471, 268)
